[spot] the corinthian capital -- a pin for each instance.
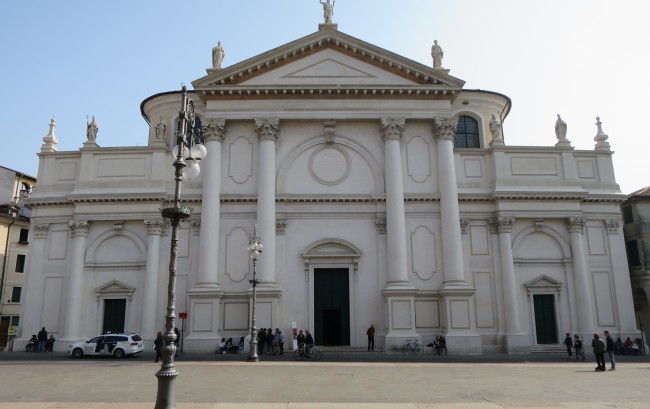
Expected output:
(576, 224)
(502, 224)
(215, 129)
(392, 128)
(444, 128)
(267, 128)
(79, 228)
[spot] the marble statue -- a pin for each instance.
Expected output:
(437, 54)
(91, 130)
(495, 127)
(560, 129)
(217, 55)
(328, 10)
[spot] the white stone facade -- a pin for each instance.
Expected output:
(343, 155)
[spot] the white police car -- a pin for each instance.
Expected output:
(118, 345)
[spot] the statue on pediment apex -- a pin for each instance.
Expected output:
(328, 10)
(437, 54)
(560, 129)
(218, 53)
(92, 128)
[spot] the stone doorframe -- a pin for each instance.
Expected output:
(112, 291)
(543, 285)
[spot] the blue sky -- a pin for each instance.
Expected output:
(578, 58)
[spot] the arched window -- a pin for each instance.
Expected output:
(467, 133)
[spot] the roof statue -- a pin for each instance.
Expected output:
(218, 53)
(560, 132)
(601, 137)
(328, 10)
(437, 54)
(495, 130)
(91, 130)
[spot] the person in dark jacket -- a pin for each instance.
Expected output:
(609, 342)
(599, 351)
(261, 341)
(568, 343)
(157, 345)
(577, 345)
(269, 342)
(42, 339)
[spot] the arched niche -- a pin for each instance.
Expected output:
(540, 244)
(115, 248)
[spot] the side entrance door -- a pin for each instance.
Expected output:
(545, 322)
(332, 306)
(114, 312)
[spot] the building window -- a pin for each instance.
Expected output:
(467, 133)
(15, 294)
(15, 321)
(24, 236)
(627, 215)
(20, 263)
(633, 253)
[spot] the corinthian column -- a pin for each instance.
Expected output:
(392, 130)
(149, 302)
(75, 280)
(208, 271)
(584, 302)
(510, 296)
(444, 130)
(268, 131)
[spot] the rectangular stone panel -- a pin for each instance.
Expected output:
(479, 240)
(534, 166)
(604, 297)
(236, 316)
(484, 300)
(264, 314)
(473, 168)
(596, 240)
(52, 296)
(586, 169)
(121, 167)
(58, 245)
(459, 314)
(66, 171)
(427, 314)
(202, 317)
(401, 314)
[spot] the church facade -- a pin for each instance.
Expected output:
(383, 192)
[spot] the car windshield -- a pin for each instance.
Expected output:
(95, 340)
(136, 338)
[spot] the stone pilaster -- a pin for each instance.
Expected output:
(582, 282)
(79, 229)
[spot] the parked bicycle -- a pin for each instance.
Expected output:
(412, 346)
(305, 353)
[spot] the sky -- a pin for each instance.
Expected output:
(578, 58)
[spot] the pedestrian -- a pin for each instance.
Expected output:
(609, 342)
(300, 339)
(42, 339)
(269, 342)
(261, 340)
(280, 339)
(32, 344)
(568, 343)
(177, 342)
(599, 351)
(157, 345)
(442, 345)
(49, 344)
(371, 338)
(577, 345)
(309, 342)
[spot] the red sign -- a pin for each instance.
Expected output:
(182, 315)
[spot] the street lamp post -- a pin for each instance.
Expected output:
(254, 248)
(186, 149)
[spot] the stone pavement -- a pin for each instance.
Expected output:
(345, 381)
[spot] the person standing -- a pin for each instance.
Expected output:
(157, 345)
(177, 342)
(280, 339)
(42, 339)
(371, 338)
(568, 343)
(599, 351)
(270, 338)
(609, 342)
(309, 341)
(577, 345)
(300, 339)
(261, 340)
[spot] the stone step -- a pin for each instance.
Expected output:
(548, 349)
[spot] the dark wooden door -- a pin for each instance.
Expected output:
(114, 312)
(545, 324)
(331, 306)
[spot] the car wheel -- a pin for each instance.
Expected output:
(119, 353)
(77, 353)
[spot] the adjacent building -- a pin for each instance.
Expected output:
(15, 187)
(383, 191)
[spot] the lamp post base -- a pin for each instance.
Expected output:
(166, 398)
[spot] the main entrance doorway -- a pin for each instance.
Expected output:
(114, 311)
(545, 324)
(332, 306)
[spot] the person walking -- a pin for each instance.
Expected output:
(371, 338)
(157, 345)
(577, 345)
(568, 343)
(42, 339)
(598, 346)
(609, 342)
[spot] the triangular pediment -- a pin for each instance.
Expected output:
(543, 282)
(328, 62)
(114, 287)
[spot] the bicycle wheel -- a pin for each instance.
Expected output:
(418, 349)
(405, 349)
(315, 354)
(297, 355)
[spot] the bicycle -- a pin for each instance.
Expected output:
(412, 346)
(303, 353)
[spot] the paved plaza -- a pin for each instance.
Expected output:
(348, 381)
